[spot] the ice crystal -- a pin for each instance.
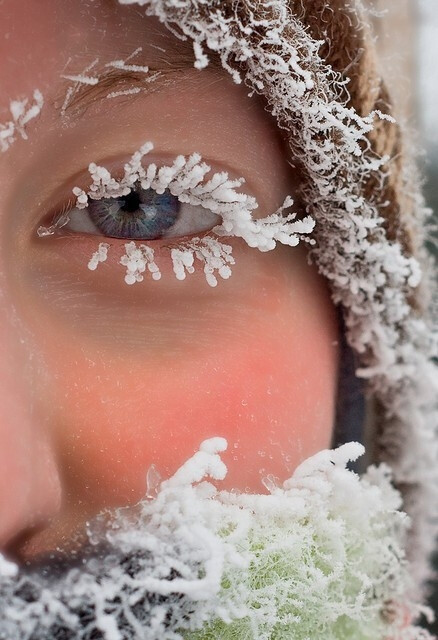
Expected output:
(84, 78)
(99, 256)
(321, 557)
(137, 260)
(124, 92)
(122, 64)
(22, 112)
(61, 220)
(264, 43)
(215, 255)
(78, 80)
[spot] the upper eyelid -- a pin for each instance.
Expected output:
(63, 195)
(189, 176)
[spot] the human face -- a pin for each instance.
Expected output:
(99, 379)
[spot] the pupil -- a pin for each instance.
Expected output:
(131, 202)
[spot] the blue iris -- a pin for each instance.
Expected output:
(142, 214)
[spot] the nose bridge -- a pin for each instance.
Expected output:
(30, 490)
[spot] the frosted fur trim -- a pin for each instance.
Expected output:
(22, 113)
(370, 276)
(321, 557)
(185, 180)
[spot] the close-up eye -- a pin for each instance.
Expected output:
(142, 214)
(175, 201)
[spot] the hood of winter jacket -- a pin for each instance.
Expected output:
(315, 65)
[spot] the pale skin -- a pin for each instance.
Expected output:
(98, 379)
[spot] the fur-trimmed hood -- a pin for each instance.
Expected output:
(315, 65)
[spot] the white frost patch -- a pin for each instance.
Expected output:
(124, 92)
(137, 260)
(99, 256)
(122, 64)
(82, 79)
(321, 556)
(78, 80)
(22, 113)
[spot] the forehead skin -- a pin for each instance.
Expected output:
(98, 379)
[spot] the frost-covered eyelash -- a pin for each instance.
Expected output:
(185, 180)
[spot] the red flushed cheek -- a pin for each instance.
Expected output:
(143, 382)
(270, 393)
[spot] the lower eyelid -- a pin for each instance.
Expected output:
(68, 258)
(79, 240)
(76, 248)
(69, 255)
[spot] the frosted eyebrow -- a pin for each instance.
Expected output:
(131, 83)
(113, 81)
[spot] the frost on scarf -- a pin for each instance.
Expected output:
(321, 557)
(371, 276)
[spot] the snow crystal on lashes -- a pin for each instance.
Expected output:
(137, 260)
(99, 256)
(215, 255)
(185, 180)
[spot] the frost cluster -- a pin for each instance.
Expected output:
(185, 179)
(372, 276)
(215, 255)
(136, 260)
(321, 557)
(123, 64)
(99, 256)
(22, 112)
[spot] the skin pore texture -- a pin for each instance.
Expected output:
(98, 380)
